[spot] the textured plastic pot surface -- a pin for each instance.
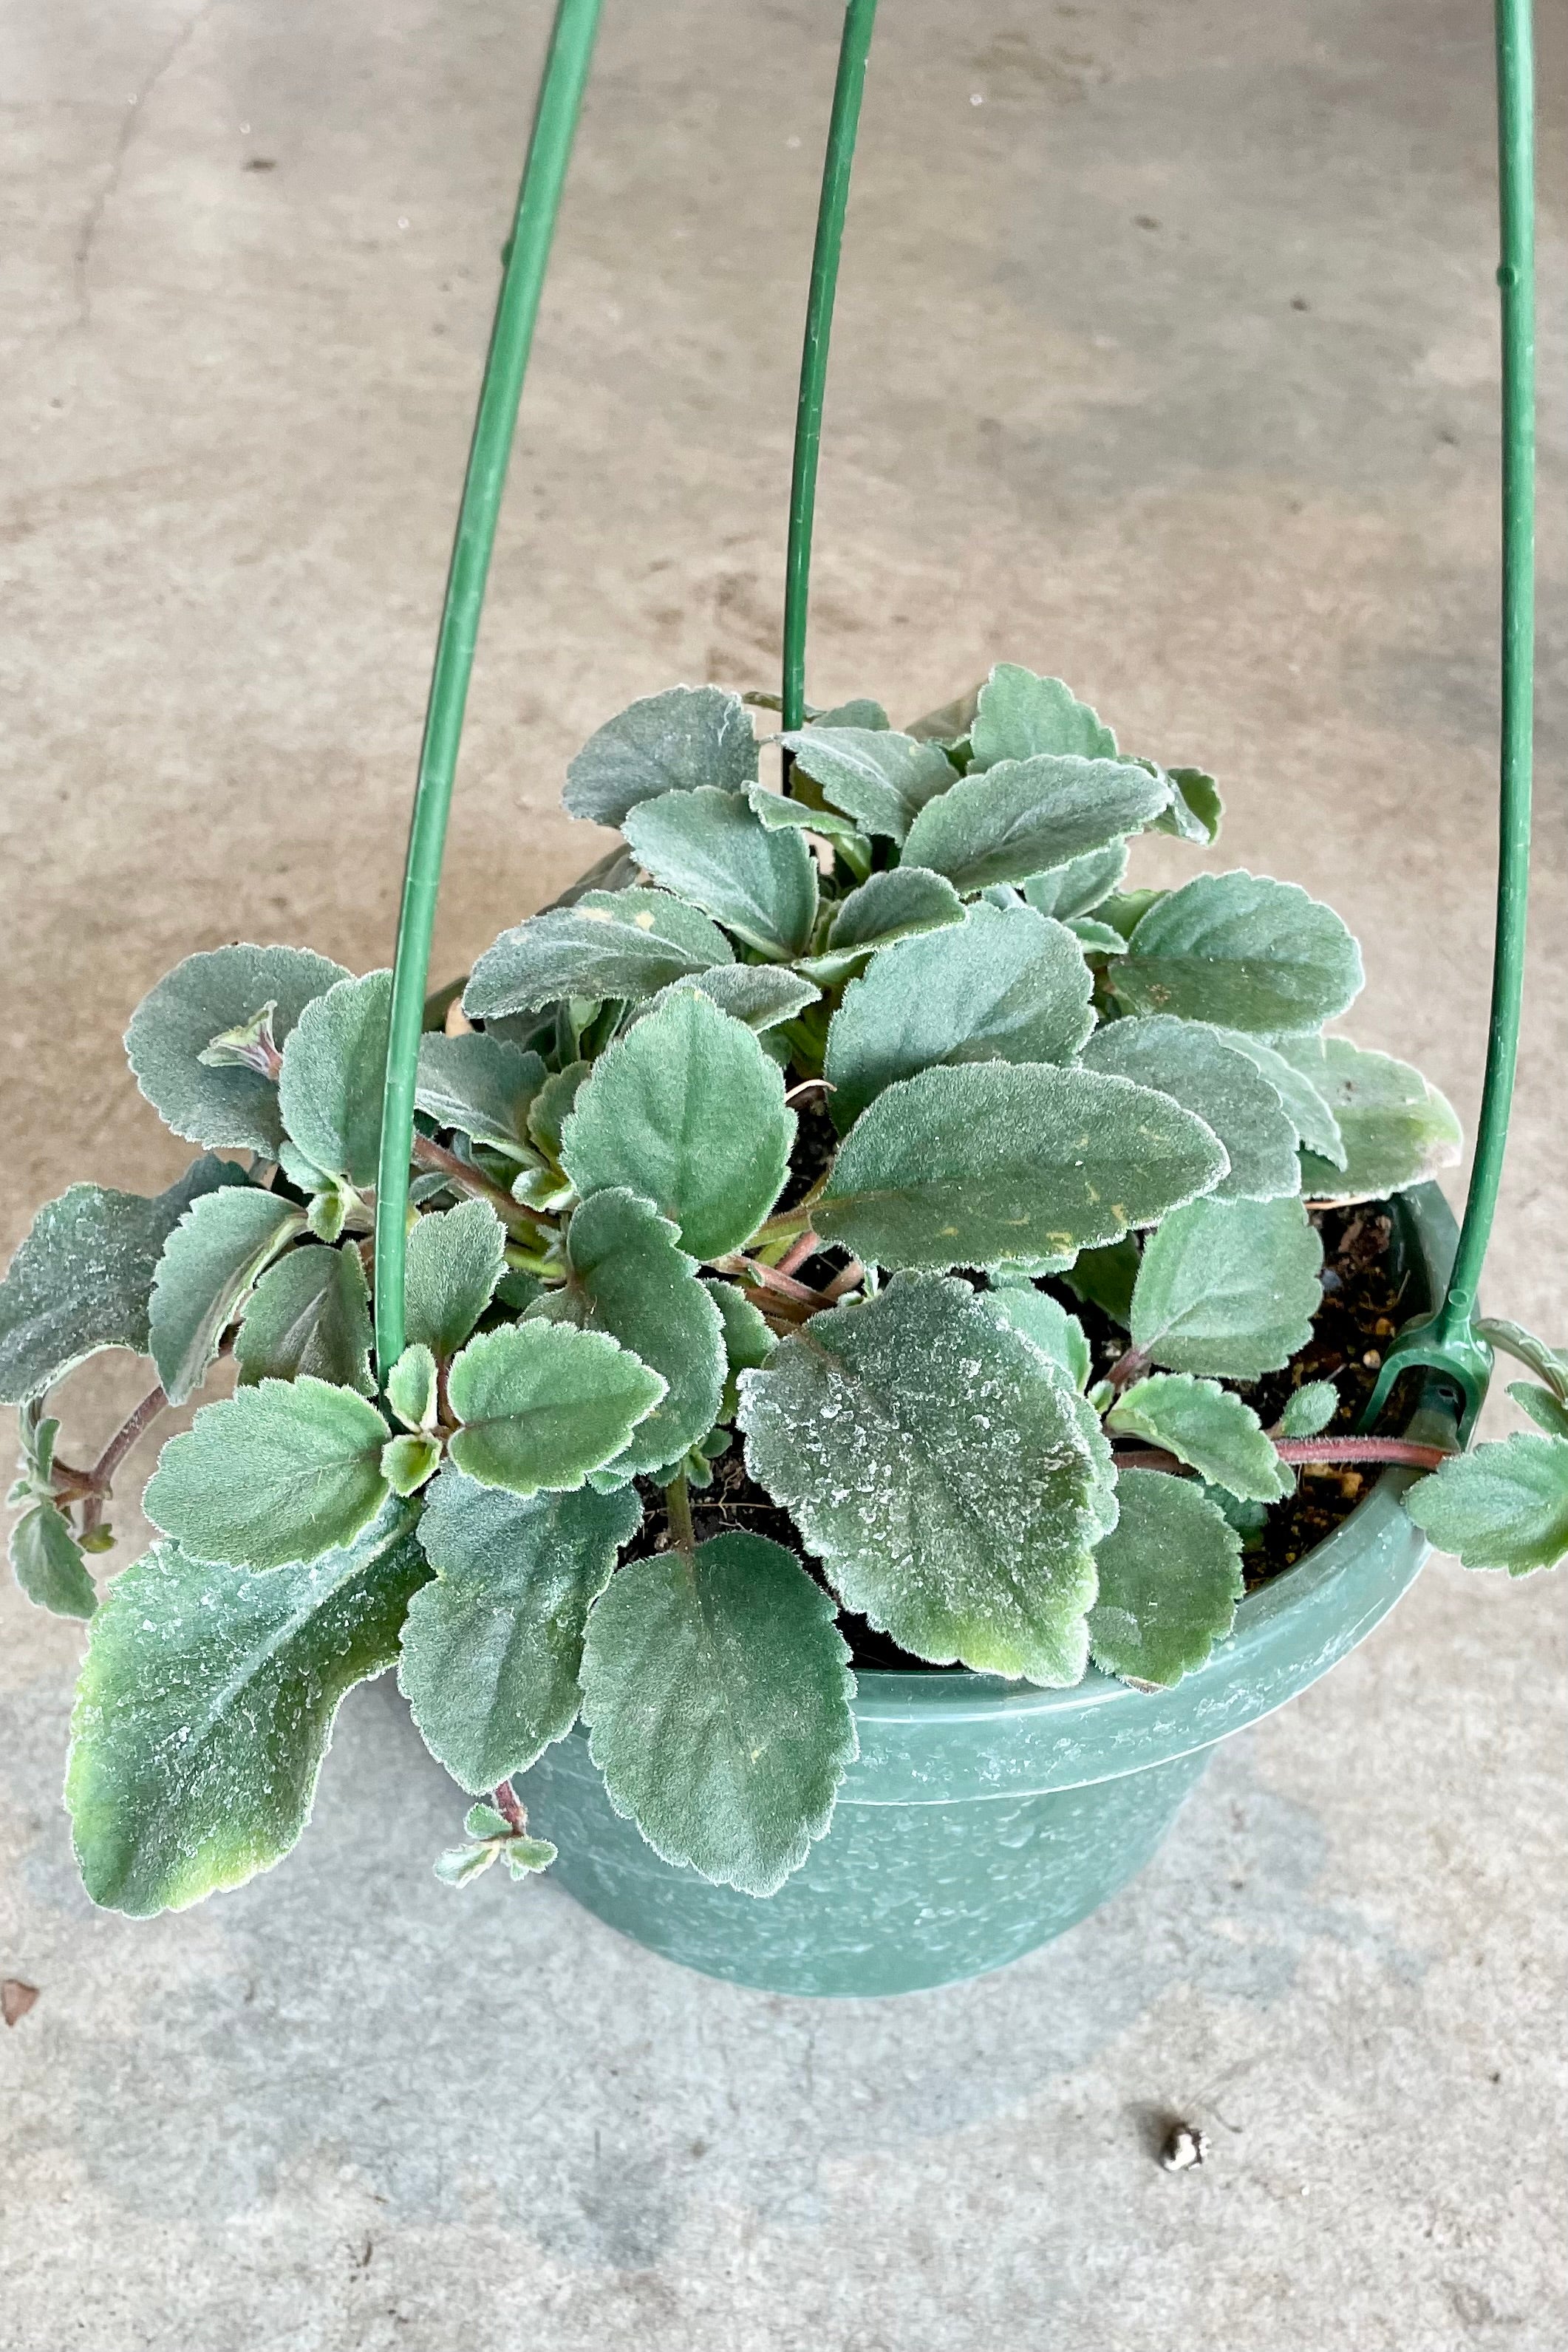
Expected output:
(983, 1817)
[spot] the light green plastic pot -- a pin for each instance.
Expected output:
(984, 1817)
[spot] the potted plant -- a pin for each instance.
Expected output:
(865, 1284)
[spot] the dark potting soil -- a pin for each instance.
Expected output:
(1362, 1307)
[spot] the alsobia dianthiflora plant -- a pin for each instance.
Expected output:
(1031, 1071)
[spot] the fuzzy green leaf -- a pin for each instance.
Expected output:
(481, 1084)
(552, 1106)
(1046, 1321)
(225, 1106)
(1208, 1428)
(1396, 1129)
(886, 907)
(620, 943)
(1018, 819)
(943, 1472)
(1018, 716)
(1079, 885)
(275, 1474)
(1227, 1289)
(1196, 808)
(454, 1259)
(206, 1706)
(779, 814)
(542, 1404)
(210, 1264)
(1005, 984)
(82, 1280)
(686, 1110)
(409, 1459)
(760, 994)
(951, 723)
(880, 778)
(310, 1313)
(748, 1339)
(631, 1279)
(1170, 1578)
(460, 1864)
(1505, 1505)
(1192, 1063)
(48, 1563)
(1096, 938)
(662, 744)
(1312, 1408)
(716, 1688)
(1548, 1411)
(860, 710)
(711, 848)
(991, 1161)
(1314, 1122)
(493, 1648)
(334, 1070)
(412, 1388)
(1104, 1279)
(1243, 951)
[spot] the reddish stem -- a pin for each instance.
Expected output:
(1308, 1451)
(505, 1799)
(798, 1252)
(430, 1154)
(1127, 1369)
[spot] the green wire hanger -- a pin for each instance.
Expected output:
(1447, 1344)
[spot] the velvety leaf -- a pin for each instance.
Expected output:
(210, 1264)
(481, 1084)
(748, 1339)
(1227, 1289)
(48, 1564)
(1396, 1129)
(1314, 1122)
(1207, 1427)
(542, 1404)
(711, 848)
(716, 1688)
(1125, 909)
(454, 1259)
(1195, 809)
(1005, 984)
(275, 1474)
(1548, 1411)
(1023, 817)
(780, 815)
(760, 994)
(943, 1472)
(1078, 887)
(891, 907)
(880, 778)
(492, 1649)
(1046, 1321)
(1096, 938)
(667, 742)
(1312, 1408)
(409, 1459)
(1549, 1364)
(860, 710)
(227, 1106)
(461, 1863)
(1170, 1578)
(631, 1279)
(990, 1160)
(1243, 951)
(950, 722)
(206, 1706)
(1018, 716)
(82, 1278)
(1191, 1063)
(1104, 1279)
(1504, 1506)
(552, 1106)
(686, 1110)
(412, 1388)
(308, 1314)
(335, 1072)
(620, 943)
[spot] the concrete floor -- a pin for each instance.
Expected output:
(1165, 359)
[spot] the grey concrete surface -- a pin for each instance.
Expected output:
(1165, 359)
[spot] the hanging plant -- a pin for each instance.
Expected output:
(808, 1137)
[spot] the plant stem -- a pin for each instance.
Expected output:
(769, 1278)
(798, 1252)
(785, 1227)
(677, 1510)
(436, 1156)
(1127, 1369)
(504, 1798)
(1308, 1451)
(853, 1275)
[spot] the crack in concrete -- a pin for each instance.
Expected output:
(88, 235)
